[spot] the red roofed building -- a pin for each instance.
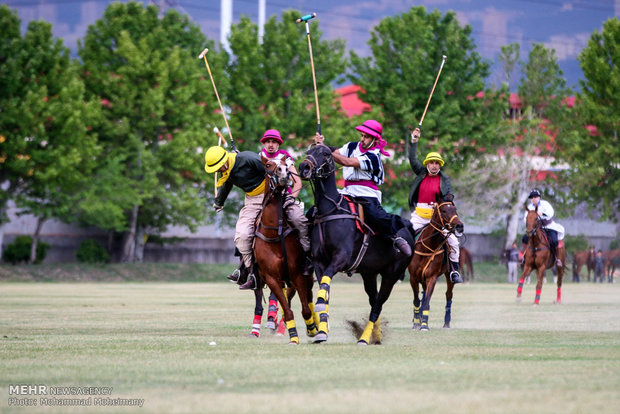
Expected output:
(350, 102)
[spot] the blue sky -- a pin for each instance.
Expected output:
(564, 25)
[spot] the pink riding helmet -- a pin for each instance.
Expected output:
(372, 128)
(272, 134)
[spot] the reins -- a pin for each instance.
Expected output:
(321, 172)
(432, 253)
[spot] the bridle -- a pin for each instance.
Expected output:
(322, 170)
(534, 231)
(441, 227)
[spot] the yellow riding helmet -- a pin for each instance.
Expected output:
(433, 156)
(215, 158)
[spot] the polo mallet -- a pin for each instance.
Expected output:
(203, 55)
(432, 91)
(316, 95)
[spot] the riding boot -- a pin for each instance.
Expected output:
(455, 276)
(250, 283)
(240, 275)
(402, 246)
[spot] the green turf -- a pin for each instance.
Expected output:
(151, 341)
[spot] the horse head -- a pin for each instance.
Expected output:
(278, 173)
(445, 216)
(319, 163)
(532, 222)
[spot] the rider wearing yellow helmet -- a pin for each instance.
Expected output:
(271, 141)
(430, 182)
(246, 171)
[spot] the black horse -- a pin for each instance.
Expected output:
(342, 243)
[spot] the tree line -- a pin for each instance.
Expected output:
(115, 138)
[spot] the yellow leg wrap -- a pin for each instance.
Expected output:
(323, 295)
(323, 327)
(292, 331)
(315, 315)
(367, 332)
(425, 313)
(326, 279)
(376, 333)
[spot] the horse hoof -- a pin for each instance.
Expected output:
(320, 337)
(254, 335)
(424, 329)
(446, 326)
(518, 300)
(293, 343)
(271, 325)
(362, 343)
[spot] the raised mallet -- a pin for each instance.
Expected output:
(203, 55)
(316, 94)
(432, 91)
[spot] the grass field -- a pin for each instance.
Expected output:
(151, 341)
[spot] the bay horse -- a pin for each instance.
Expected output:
(612, 260)
(278, 253)
(341, 242)
(582, 258)
(430, 260)
(538, 256)
(466, 263)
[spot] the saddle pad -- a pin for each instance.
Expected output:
(356, 208)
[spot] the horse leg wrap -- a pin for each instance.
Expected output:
(323, 295)
(537, 297)
(416, 316)
(273, 310)
(311, 326)
(367, 332)
(424, 320)
(292, 331)
(315, 315)
(559, 297)
(376, 332)
(520, 287)
(256, 325)
(448, 315)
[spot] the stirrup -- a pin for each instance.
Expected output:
(455, 277)
(234, 276)
(250, 283)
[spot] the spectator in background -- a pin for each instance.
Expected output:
(513, 263)
(599, 266)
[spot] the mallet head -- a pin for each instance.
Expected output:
(306, 17)
(204, 52)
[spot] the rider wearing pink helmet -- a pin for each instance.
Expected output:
(363, 174)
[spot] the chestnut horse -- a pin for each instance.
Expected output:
(467, 264)
(340, 245)
(278, 252)
(538, 256)
(582, 258)
(430, 261)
